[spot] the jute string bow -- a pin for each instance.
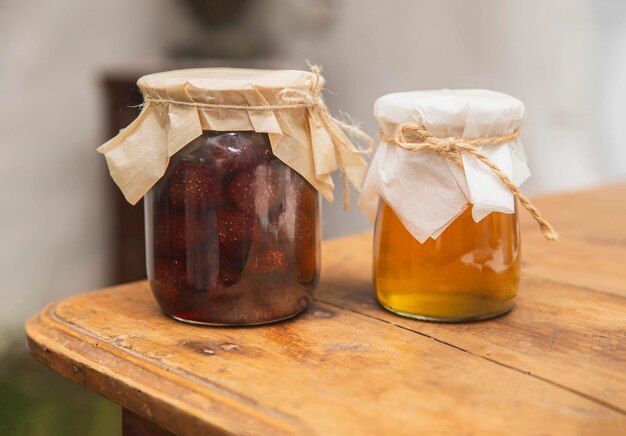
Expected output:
(413, 137)
(296, 99)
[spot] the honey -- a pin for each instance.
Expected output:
(471, 271)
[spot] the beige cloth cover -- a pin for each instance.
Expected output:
(179, 105)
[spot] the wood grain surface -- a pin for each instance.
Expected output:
(556, 364)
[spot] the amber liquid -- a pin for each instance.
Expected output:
(471, 271)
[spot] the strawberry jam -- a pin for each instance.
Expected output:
(232, 233)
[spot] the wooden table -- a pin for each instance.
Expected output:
(555, 365)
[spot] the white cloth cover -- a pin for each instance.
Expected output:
(424, 189)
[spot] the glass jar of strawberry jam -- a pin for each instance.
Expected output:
(232, 163)
(443, 188)
(232, 233)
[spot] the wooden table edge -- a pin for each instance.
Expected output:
(231, 413)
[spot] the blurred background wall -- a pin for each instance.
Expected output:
(564, 58)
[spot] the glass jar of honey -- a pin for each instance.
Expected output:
(442, 187)
(232, 164)
(471, 271)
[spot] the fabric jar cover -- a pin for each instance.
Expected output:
(285, 104)
(427, 191)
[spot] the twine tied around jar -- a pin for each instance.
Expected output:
(414, 137)
(292, 98)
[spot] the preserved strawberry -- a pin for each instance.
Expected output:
(232, 233)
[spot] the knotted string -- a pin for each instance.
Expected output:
(413, 137)
(292, 98)
(314, 101)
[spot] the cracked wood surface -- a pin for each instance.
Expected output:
(555, 364)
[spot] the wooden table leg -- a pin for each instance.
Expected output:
(135, 425)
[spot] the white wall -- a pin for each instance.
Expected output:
(609, 85)
(564, 58)
(53, 238)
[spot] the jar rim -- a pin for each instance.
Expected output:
(226, 79)
(447, 107)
